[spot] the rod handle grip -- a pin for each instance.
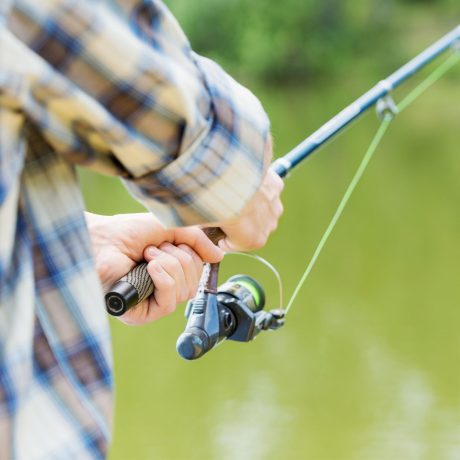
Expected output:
(137, 285)
(215, 234)
(129, 290)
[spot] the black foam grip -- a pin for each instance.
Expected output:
(130, 290)
(137, 285)
(140, 279)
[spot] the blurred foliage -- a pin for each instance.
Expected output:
(291, 40)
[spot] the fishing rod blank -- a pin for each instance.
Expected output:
(284, 164)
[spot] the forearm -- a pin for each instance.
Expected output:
(132, 99)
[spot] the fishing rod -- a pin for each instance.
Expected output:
(235, 310)
(357, 108)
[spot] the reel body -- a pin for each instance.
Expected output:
(234, 311)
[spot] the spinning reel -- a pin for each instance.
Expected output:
(233, 311)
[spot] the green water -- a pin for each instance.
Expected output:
(368, 364)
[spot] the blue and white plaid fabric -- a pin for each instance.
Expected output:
(122, 94)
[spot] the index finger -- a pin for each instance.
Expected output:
(199, 242)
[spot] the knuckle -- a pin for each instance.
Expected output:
(170, 308)
(167, 247)
(280, 209)
(259, 241)
(186, 259)
(168, 283)
(193, 230)
(180, 256)
(171, 284)
(185, 247)
(173, 263)
(188, 252)
(280, 182)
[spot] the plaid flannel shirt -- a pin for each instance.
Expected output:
(122, 94)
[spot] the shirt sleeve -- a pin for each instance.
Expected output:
(124, 94)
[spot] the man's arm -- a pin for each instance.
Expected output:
(129, 97)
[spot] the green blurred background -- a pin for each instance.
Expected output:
(368, 364)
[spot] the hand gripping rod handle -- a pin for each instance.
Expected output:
(137, 285)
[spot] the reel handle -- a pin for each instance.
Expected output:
(137, 285)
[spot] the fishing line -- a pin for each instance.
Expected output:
(267, 264)
(438, 73)
(349, 191)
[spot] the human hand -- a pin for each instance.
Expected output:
(175, 258)
(258, 219)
